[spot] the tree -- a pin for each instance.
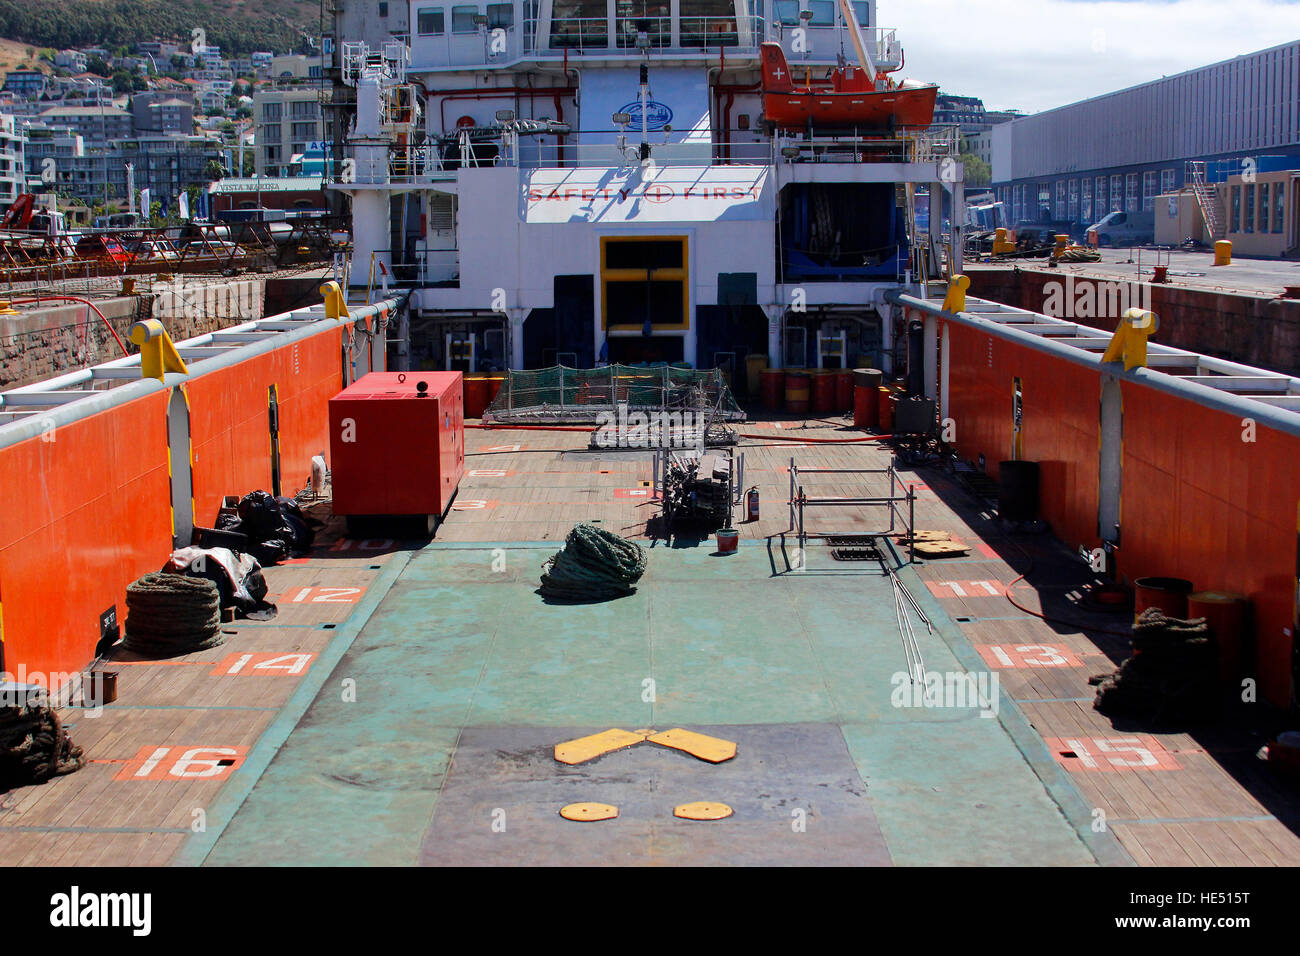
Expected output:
(96, 65)
(122, 82)
(978, 172)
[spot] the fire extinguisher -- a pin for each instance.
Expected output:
(751, 503)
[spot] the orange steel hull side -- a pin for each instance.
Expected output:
(1061, 423)
(1201, 504)
(230, 426)
(97, 511)
(95, 515)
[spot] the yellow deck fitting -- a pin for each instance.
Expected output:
(157, 350)
(586, 812)
(1129, 343)
(703, 810)
(712, 749)
(955, 300)
(336, 301)
(589, 748)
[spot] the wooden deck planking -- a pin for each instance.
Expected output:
(1198, 815)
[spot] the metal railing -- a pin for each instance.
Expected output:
(601, 36)
(428, 164)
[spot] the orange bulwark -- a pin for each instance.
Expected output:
(106, 507)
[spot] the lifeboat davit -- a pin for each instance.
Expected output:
(853, 99)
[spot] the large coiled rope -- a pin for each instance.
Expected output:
(594, 565)
(1172, 675)
(172, 614)
(34, 746)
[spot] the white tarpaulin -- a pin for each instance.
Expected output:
(679, 99)
(651, 194)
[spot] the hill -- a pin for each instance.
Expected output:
(237, 26)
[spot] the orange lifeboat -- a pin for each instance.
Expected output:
(853, 99)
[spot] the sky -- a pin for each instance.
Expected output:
(1035, 55)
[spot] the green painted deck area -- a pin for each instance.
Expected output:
(464, 678)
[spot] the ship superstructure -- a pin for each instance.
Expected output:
(581, 181)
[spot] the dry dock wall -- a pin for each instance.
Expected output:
(44, 342)
(1258, 330)
(88, 492)
(1207, 494)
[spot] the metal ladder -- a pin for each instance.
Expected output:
(1205, 198)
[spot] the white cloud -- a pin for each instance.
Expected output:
(1039, 54)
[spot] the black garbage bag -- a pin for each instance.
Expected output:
(260, 516)
(237, 576)
(269, 553)
(228, 522)
(303, 526)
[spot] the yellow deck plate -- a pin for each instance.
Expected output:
(588, 748)
(938, 549)
(920, 535)
(712, 749)
(703, 810)
(585, 812)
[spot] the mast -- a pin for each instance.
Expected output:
(855, 32)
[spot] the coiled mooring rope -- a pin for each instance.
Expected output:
(172, 614)
(34, 746)
(595, 564)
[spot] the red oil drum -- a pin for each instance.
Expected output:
(771, 383)
(1168, 594)
(823, 391)
(844, 390)
(476, 395)
(1227, 616)
(886, 408)
(796, 391)
(866, 407)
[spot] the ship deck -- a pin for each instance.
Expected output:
(428, 683)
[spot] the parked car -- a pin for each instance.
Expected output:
(152, 250)
(215, 248)
(1124, 229)
(102, 247)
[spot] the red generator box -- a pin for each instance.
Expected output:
(397, 450)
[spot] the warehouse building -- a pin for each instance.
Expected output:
(1119, 152)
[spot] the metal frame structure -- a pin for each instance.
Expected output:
(799, 500)
(211, 247)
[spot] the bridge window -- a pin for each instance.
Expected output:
(823, 13)
(462, 19)
(501, 16)
(581, 24)
(429, 21)
(654, 17)
(708, 23)
(863, 12)
(787, 12)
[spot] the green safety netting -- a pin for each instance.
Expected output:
(580, 395)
